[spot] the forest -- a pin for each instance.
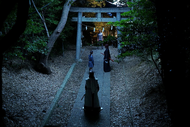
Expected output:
(33, 30)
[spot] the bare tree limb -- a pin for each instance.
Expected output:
(52, 39)
(43, 19)
(156, 65)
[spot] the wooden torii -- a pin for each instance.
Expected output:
(98, 18)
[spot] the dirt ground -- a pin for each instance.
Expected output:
(136, 97)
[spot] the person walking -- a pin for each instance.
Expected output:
(91, 61)
(100, 38)
(91, 100)
(107, 59)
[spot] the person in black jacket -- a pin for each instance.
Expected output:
(91, 100)
(107, 59)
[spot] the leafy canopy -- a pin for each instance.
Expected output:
(34, 39)
(139, 30)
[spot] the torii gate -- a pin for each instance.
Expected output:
(80, 19)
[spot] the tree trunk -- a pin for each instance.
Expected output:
(1, 99)
(43, 62)
(173, 48)
(12, 36)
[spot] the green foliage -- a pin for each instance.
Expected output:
(110, 40)
(100, 42)
(38, 46)
(34, 39)
(28, 50)
(139, 29)
(128, 53)
(14, 52)
(33, 27)
(10, 21)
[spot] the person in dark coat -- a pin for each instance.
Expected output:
(107, 59)
(91, 101)
(91, 61)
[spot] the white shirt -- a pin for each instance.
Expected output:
(100, 36)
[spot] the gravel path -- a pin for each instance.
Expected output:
(136, 94)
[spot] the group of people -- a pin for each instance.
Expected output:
(91, 102)
(107, 58)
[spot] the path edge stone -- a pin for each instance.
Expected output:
(53, 103)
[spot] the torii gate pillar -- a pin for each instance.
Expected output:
(79, 28)
(81, 19)
(118, 17)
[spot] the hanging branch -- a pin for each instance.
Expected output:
(43, 19)
(156, 65)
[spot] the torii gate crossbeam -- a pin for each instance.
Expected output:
(81, 19)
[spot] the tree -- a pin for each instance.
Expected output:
(170, 39)
(174, 51)
(43, 63)
(12, 36)
(41, 18)
(139, 31)
(31, 41)
(90, 3)
(34, 40)
(96, 3)
(139, 28)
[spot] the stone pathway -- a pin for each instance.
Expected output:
(78, 118)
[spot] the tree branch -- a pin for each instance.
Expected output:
(156, 65)
(43, 19)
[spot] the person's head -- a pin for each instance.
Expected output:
(99, 31)
(91, 52)
(106, 45)
(91, 74)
